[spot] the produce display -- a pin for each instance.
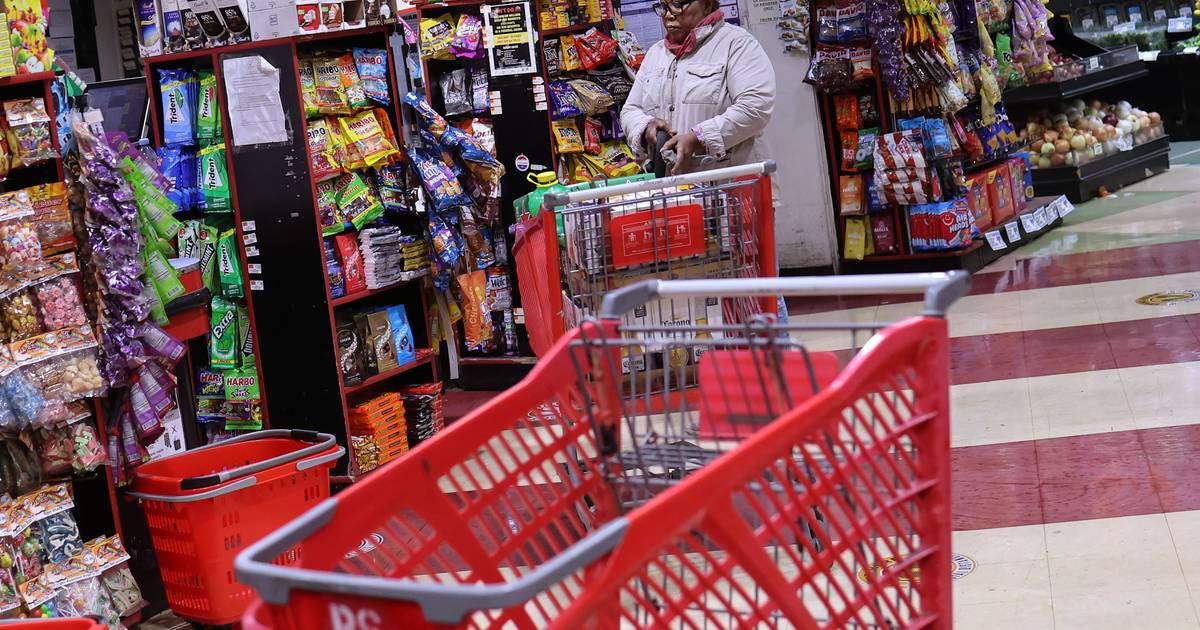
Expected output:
(1076, 132)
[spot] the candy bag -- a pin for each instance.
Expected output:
(563, 101)
(850, 195)
(430, 120)
(373, 73)
(468, 36)
(454, 92)
(389, 181)
(308, 88)
(365, 133)
(356, 201)
(864, 155)
(330, 89)
(321, 148)
(566, 136)
(162, 275)
(356, 96)
(402, 336)
(229, 270)
(213, 182)
(207, 113)
(595, 49)
(177, 87)
(552, 53)
(28, 131)
(592, 130)
(592, 98)
(352, 263)
(223, 343)
(570, 56)
(331, 218)
(849, 147)
(437, 33)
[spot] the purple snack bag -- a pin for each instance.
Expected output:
(129, 445)
(161, 343)
(157, 385)
(145, 421)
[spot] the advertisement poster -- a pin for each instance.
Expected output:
(510, 45)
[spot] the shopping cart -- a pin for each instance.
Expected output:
(52, 624)
(205, 505)
(585, 243)
(781, 486)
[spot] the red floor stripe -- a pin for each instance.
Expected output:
(1045, 272)
(1125, 473)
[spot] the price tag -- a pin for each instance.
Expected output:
(1160, 14)
(1088, 24)
(248, 226)
(256, 285)
(1013, 231)
(1093, 63)
(1179, 25)
(1039, 215)
(1190, 50)
(251, 252)
(254, 269)
(1029, 222)
(1111, 20)
(1097, 149)
(250, 238)
(1124, 27)
(1065, 206)
(1051, 212)
(995, 240)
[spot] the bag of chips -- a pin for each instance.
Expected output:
(330, 89)
(308, 88)
(566, 136)
(467, 37)
(373, 73)
(439, 181)
(321, 148)
(437, 33)
(845, 107)
(430, 120)
(477, 320)
(366, 135)
(850, 195)
(564, 103)
(595, 49)
(569, 60)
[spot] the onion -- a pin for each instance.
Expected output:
(1078, 142)
(1047, 148)
(1043, 162)
(1058, 159)
(1062, 146)
(1050, 136)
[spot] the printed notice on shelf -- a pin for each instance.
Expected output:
(1013, 231)
(1179, 25)
(1029, 222)
(510, 45)
(995, 240)
(1064, 206)
(255, 107)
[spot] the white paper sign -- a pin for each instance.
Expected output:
(1029, 222)
(1065, 207)
(248, 226)
(250, 238)
(1039, 215)
(1051, 212)
(251, 252)
(1179, 25)
(1013, 231)
(254, 269)
(256, 285)
(255, 108)
(995, 240)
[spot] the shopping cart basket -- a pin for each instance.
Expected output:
(585, 243)
(205, 505)
(775, 485)
(52, 624)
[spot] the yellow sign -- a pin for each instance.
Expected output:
(1168, 297)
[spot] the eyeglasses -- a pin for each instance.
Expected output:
(672, 7)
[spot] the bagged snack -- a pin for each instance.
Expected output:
(330, 89)
(373, 73)
(564, 103)
(207, 112)
(177, 87)
(331, 218)
(439, 181)
(614, 81)
(864, 155)
(592, 130)
(454, 92)
(856, 238)
(19, 244)
(59, 303)
(389, 181)
(846, 112)
(851, 195)
(321, 147)
(402, 337)
(629, 50)
(51, 216)
(355, 200)
(481, 100)
(214, 183)
(437, 33)
(356, 96)
(162, 276)
(849, 148)
(351, 261)
(552, 53)
(430, 120)
(229, 270)
(569, 60)
(499, 294)
(223, 343)
(595, 49)
(592, 98)
(365, 133)
(477, 320)
(468, 36)
(54, 451)
(308, 88)
(333, 271)
(350, 353)
(566, 136)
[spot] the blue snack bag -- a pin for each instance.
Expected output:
(178, 89)
(936, 138)
(402, 338)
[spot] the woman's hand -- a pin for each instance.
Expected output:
(685, 145)
(650, 136)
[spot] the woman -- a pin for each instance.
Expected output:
(709, 84)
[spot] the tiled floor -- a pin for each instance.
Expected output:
(1076, 417)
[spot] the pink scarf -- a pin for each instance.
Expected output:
(704, 28)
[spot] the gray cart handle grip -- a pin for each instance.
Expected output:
(320, 442)
(556, 199)
(940, 289)
(440, 603)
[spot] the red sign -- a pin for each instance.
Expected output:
(657, 234)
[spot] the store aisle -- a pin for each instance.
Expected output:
(1076, 416)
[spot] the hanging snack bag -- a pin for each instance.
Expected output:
(570, 56)
(481, 100)
(321, 147)
(213, 182)
(849, 147)
(454, 92)
(352, 263)
(468, 36)
(477, 320)
(845, 107)
(356, 96)
(439, 181)
(356, 201)
(162, 275)
(364, 132)
(389, 181)
(595, 49)
(566, 136)
(331, 90)
(177, 87)
(430, 120)
(372, 73)
(206, 243)
(437, 33)
(564, 103)
(229, 270)
(51, 216)
(864, 155)
(223, 343)
(308, 88)
(207, 113)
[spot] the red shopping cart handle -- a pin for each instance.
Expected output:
(205, 481)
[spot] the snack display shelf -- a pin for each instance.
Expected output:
(17, 79)
(1080, 183)
(498, 360)
(574, 28)
(362, 295)
(1085, 84)
(424, 355)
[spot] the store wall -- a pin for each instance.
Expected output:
(804, 226)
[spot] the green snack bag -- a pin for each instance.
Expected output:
(222, 336)
(229, 271)
(187, 240)
(206, 251)
(242, 384)
(162, 275)
(246, 337)
(356, 200)
(158, 312)
(153, 241)
(213, 179)
(151, 202)
(308, 88)
(207, 115)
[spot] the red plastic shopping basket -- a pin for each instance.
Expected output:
(566, 504)
(54, 624)
(205, 505)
